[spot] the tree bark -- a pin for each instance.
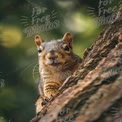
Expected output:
(93, 93)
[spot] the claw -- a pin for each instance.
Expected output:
(43, 103)
(51, 98)
(46, 100)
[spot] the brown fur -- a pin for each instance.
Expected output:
(56, 62)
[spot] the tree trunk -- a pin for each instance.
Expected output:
(93, 93)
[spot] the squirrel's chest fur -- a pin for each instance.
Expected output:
(55, 76)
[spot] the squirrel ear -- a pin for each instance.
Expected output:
(38, 40)
(68, 38)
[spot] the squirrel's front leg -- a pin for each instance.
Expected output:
(41, 102)
(40, 99)
(51, 88)
(47, 92)
(39, 105)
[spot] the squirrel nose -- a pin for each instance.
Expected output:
(51, 52)
(52, 58)
(52, 55)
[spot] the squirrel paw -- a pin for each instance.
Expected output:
(46, 100)
(42, 101)
(39, 107)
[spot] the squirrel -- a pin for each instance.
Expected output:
(57, 61)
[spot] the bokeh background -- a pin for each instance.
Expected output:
(19, 20)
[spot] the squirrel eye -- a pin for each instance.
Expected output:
(66, 48)
(39, 51)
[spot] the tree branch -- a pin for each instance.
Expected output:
(95, 88)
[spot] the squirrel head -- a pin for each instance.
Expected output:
(55, 53)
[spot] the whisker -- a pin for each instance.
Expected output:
(27, 68)
(27, 62)
(34, 71)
